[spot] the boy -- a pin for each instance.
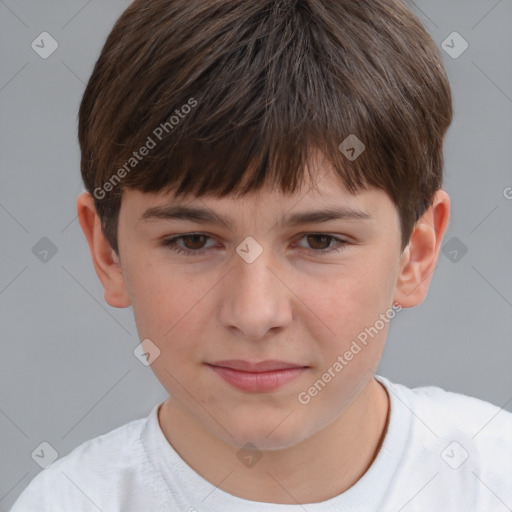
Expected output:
(264, 189)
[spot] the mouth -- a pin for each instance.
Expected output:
(257, 377)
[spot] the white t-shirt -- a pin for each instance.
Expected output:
(442, 452)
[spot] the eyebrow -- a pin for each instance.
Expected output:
(207, 216)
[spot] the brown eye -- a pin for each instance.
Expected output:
(192, 244)
(196, 241)
(323, 244)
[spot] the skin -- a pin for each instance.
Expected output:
(288, 304)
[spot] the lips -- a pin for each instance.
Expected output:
(257, 377)
(263, 366)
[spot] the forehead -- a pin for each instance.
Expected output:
(315, 200)
(292, 211)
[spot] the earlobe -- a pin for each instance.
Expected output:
(105, 260)
(419, 258)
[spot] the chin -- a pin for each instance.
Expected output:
(266, 433)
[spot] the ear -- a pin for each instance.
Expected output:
(105, 260)
(419, 258)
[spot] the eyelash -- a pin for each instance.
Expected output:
(171, 244)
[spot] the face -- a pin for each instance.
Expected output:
(219, 299)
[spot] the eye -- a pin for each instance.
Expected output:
(194, 243)
(321, 243)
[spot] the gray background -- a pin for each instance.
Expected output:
(67, 369)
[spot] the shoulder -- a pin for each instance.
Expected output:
(115, 449)
(465, 440)
(480, 428)
(456, 413)
(78, 480)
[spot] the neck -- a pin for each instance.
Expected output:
(317, 469)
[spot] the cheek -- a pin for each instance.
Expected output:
(170, 308)
(349, 299)
(349, 350)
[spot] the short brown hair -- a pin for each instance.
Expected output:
(265, 83)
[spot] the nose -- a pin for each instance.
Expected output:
(257, 299)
